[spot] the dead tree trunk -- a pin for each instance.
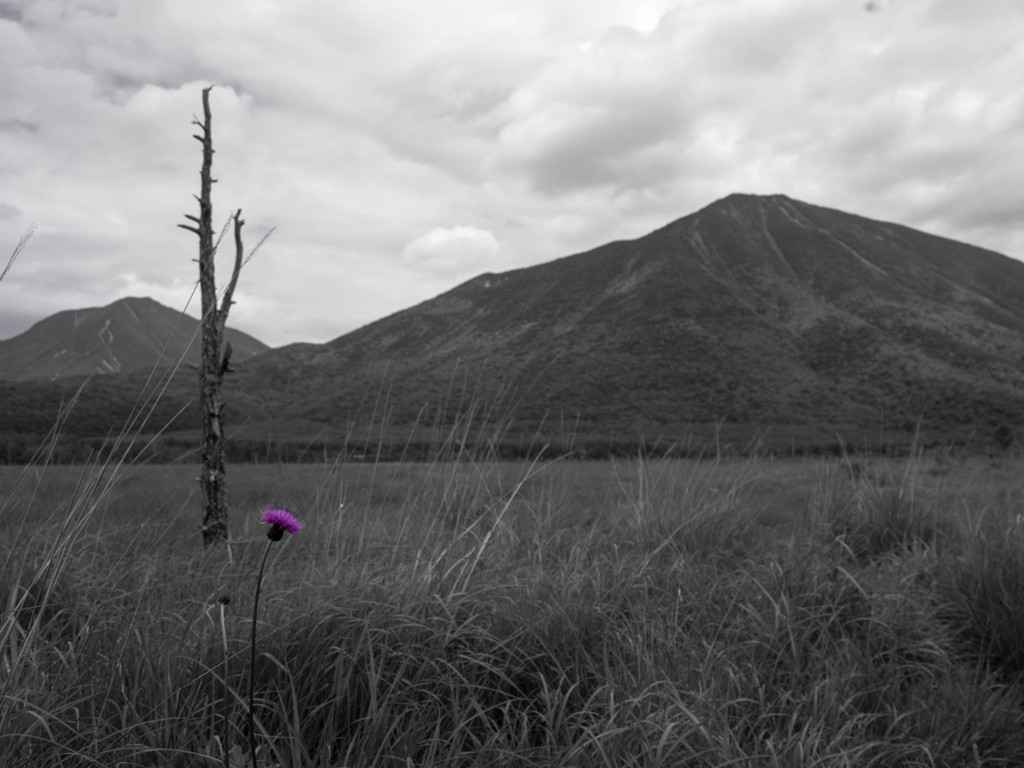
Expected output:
(213, 363)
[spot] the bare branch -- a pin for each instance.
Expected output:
(225, 363)
(190, 229)
(19, 248)
(229, 292)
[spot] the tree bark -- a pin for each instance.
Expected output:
(214, 357)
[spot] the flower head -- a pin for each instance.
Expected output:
(280, 520)
(224, 596)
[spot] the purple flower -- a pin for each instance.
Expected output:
(280, 520)
(224, 596)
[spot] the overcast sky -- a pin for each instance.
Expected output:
(401, 147)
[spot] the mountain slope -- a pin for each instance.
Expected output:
(756, 309)
(127, 335)
(755, 312)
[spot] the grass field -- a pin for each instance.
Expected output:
(639, 613)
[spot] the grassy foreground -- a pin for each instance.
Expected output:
(668, 613)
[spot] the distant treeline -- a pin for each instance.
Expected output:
(166, 449)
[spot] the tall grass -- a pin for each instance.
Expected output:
(468, 612)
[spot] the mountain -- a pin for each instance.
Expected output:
(755, 314)
(128, 335)
(757, 310)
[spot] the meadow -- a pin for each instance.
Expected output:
(740, 612)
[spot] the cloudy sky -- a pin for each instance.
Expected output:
(401, 147)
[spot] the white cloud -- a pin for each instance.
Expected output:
(362, 131)
(453, 251)
(607, 115)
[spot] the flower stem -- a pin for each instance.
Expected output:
(252, 657)
(225, 707)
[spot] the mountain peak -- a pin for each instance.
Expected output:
(757, 309)
(747, 198)
(760, 313)
(132, 333)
